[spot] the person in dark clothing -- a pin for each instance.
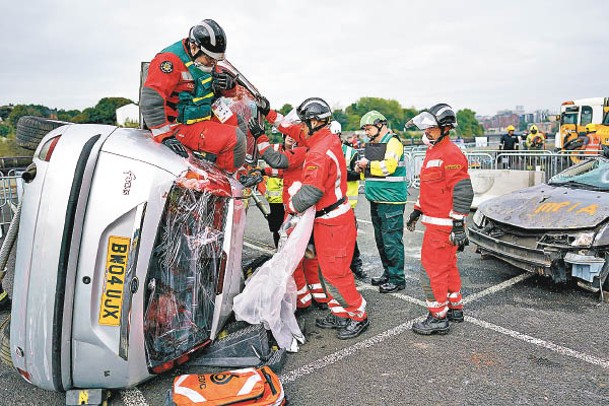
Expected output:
(508, 142)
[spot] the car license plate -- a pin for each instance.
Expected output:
(116, 267)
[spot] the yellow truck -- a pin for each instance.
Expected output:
(576, 114)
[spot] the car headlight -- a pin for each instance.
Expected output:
(583, 239)
(478, 218)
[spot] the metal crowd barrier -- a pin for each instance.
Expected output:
(548, 162)
(11, 189)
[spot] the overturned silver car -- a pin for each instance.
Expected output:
(559, 229)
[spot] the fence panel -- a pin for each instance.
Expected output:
(11, 189)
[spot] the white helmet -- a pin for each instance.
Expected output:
(335, 127)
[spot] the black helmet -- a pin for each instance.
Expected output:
(209, 37)
(314, 107)
(444, 115)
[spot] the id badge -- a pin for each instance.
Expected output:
(221, 110)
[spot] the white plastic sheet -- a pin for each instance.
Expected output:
(269, 296)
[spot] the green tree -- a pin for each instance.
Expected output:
(21, 110)
(5, 129)
(468, 125)
(286, 109)
(104, 112)
(396, 115)
(5, 111)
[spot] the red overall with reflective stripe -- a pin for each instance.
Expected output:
(443, 167)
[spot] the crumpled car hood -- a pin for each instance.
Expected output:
(545, 207)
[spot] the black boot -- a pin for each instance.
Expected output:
(359, 273)
(432, 325)
(455, 315)
(380, 280)
(331, 321)
(352, 329)
(389, 287)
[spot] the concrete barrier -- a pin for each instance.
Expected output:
(489, 183)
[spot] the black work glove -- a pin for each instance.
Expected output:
(222, 81)
(458, 235)
(176, 146)
(263, 105)
(255, 128)
(412, 219)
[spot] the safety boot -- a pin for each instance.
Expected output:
(331, 321)
(352, 329)
(379, 280)
(432, 325)
(359, 273)
(389, 287)
(455, 315)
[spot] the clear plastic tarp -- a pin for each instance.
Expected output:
(269, 296)
(186, 264)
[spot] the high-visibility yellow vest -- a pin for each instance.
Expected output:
(353, 185)
(274, 189)
(274, 186)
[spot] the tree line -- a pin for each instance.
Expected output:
(104, 112)
(397, 117)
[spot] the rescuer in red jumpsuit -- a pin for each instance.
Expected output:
(287, 164)
(444, 202)
(177, 97)
(324, 185)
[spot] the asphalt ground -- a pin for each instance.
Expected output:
(524, 341)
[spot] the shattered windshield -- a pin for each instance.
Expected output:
(592, 174)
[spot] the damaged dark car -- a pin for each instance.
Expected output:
(559, 229)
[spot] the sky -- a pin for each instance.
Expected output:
(485, 55)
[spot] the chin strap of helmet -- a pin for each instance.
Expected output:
(378, 131)
(313, 130)
(445, 132)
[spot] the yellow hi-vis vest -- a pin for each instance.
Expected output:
(353, 185)
(274, 186)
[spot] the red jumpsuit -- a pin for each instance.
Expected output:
(306, 275)
(334, 232)
(444, 166)
(167, 77)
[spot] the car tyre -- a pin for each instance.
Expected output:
(5, 345)
(30, 130)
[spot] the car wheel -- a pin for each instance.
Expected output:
(5, 345)
(30, 130)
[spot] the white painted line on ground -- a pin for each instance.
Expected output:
(379, 338)
(133, 397)
(496, 288)
(541, 343)
(346, 352)
(401, 296)
(364, 221)
(256, 247)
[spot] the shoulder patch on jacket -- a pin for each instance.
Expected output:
(453, 166)
(166, 67)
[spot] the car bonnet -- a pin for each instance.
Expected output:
(546, 207)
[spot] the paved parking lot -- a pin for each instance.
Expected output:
(524, 341)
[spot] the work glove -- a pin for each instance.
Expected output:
(222, 81)
(176, 146)
(412, 219)
(263, 105)
(458, 235)
(255, 128)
